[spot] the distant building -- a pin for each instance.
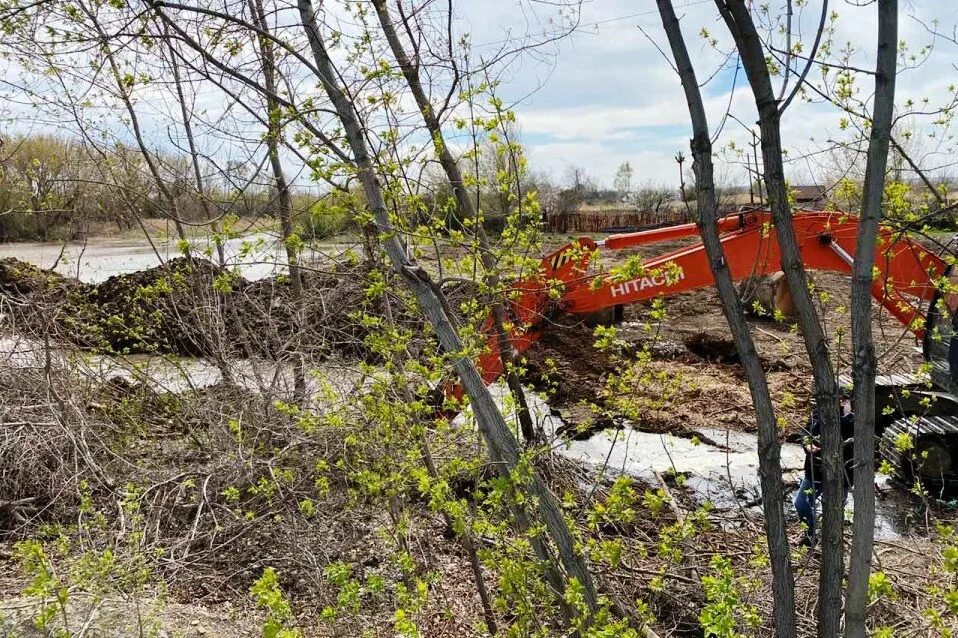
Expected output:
(812, 197)
(807, 197)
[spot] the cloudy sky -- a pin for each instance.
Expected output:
(601, 95)
(606, 95)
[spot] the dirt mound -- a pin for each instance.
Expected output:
(178, 308)
(566, 364)
(692, 379)
(191, 307)
(163, 309)
(340, 310)
(19, 279)
(38, 303)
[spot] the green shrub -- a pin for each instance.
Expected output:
(332, 215)
(20, 226)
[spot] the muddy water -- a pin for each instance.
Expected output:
(174, 374)
(256, 256)
(162, 374)
(725, 474)
(719, 466)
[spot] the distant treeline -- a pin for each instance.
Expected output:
(58, 188)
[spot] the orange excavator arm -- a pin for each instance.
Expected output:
(906, 274)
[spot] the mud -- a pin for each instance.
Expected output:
(566, 364)
(20, 279)
(690, 377)
(328, 319)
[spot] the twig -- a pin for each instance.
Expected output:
(196, 519)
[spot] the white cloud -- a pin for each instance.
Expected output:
(611, 96)
(585, 122)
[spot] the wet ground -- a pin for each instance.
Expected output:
(171, 374)
(725, 474)
(718, 466)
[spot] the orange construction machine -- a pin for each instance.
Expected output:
(911, 282)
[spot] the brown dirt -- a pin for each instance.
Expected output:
(170, 308)
(19, 278)
(122, 617)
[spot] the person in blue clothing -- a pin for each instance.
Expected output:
(810, 489)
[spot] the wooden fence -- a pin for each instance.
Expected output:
(613, 220)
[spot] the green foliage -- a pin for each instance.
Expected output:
(725, 614)
(600, 624)
(904, 442)
(76, 563)
(880, 586)
(619, 506)
(331, 215)
(348, 598)
(269, 597)
(45, 586)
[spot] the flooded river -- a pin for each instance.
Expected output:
(719, 466)
(256, 255)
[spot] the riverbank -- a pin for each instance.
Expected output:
(189, 307)
(255, 255)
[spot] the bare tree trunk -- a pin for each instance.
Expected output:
(739, 21)
(863, 534)
(273, 133)
(467, 209)
(770, 466)
(503, 446)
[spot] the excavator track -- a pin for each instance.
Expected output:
(925, 449)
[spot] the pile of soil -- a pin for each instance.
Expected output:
(681, 390)
(172, 308)
(331, 316)
(191, 307)
(20, 279)
(42, 303)
(693, 342)
(565, 363)
(155, 310)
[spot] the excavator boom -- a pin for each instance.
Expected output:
(906, 274)
(908, 280)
